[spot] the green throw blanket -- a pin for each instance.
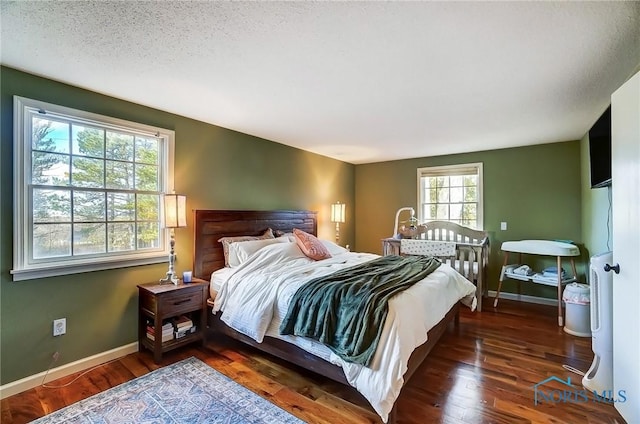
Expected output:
(346, 310)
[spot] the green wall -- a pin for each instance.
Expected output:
(535, 189)
(540, 191)
(596, 211)
(216, 168)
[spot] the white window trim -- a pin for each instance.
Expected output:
(453, 170)
(22, 268)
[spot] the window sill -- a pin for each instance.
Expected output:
(67, 269)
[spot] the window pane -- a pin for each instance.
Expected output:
(470, 180)
(433, 212)
(456, 211)
(147, 177)
(470, 194)
(442, 181)
(443, 195)
(87, 172)
(88, 239)
(119, 146)
(147, 150)
(456, 180)
(456, 195)
(433, 195)
(429, 212)
(470, 210)
(51, 205)
(119, 174)
(148, 207)
(469, 213)
(122, 237)
(88, 206)
(88, 141)
(442, 212)
(428, 183)
(148, 235)
(121, 207)
(51, 240)
(49, 168)
(50, 136)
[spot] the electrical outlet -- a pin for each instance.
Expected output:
(59, 326)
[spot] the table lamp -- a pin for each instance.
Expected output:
(175, 216)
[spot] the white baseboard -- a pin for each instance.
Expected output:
(523, 298)
(32, 381)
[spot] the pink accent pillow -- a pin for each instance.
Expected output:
(310, 245)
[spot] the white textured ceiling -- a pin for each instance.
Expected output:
(357, 81)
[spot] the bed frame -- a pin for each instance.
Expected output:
(211, 225)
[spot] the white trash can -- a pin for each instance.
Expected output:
(577, 297)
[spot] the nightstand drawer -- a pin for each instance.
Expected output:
(180, 302)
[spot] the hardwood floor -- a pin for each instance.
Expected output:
(482, 371)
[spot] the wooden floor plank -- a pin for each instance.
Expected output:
(482, 371)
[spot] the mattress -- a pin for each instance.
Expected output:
(217, 279)
(541, 247)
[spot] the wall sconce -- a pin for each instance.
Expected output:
(175, 216)
(338, 215)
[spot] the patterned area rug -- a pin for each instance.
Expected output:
(188, 391)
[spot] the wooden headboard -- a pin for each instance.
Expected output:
(211, 225)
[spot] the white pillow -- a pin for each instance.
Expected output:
(240, 251)
(290, 236)
(333, 248)
(281, 253)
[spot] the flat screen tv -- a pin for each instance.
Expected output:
(600, 151)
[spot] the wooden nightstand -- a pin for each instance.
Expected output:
(159, 303)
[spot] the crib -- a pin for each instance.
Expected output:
(470, 256)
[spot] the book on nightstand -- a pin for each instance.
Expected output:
(183, 326)
(182, 322)
(181, 333)
(167, 332)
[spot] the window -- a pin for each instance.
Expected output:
(451, 193)
(87, 191)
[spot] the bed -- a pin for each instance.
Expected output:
(396, 368)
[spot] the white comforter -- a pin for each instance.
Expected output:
(255, 297)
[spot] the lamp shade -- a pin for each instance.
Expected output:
(175, 210)
(338, 212)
